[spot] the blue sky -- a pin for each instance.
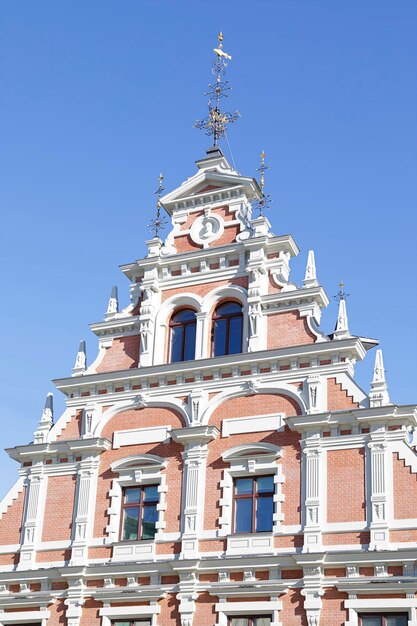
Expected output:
(99, 96)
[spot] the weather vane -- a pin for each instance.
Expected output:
(216, 122)
(265, 200)
(158, 223)
(341, 294)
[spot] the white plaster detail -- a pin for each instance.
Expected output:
(207, 228)
(252, 424)
(137, 436)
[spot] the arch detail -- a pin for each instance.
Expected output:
(283, 389)
(141, 402)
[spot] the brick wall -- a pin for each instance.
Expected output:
(59, 506)
(122, 355)
(11, 521)
(288, 329)
(346, 485)
(337, 397)
(405, 489)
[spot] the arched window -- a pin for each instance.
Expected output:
(183, 327)
(227, 329)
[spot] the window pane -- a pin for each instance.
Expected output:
(121, 623)
(132, 495)
(130, 523)
(150, 494)
(219, 338)
(239, 621)
(262, 621)
(243, 515)
(397, 620)
(235, 335)
(183, 316)
(189, 348)
(228, 307)
(176, 343)
(264, 511)
(265, 484)
(149, 519)
(244, 486)
(371, 620)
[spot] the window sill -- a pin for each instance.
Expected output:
(143, 550)
(250, 543)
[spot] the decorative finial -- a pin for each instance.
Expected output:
(341, 294)
(113, 305)
(216, 122)
(378, 395)
(265, 200)
(46, 421)
(342, 324)
(158, 223)
(310, 278)
(80, 364)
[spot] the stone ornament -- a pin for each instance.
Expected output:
(206, 229)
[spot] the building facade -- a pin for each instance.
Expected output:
(217, 464)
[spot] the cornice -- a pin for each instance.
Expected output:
(39, 451)
(349, 348)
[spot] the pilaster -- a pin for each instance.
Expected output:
(84, 510)
(313, 480)
(377, 504)
(32, 525)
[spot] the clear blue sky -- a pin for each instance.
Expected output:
(99, 96)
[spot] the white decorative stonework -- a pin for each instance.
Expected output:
(207, 229)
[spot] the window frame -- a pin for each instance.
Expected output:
(249, 617)
(141, 505)
(184, 326)
(253, 497)
(132, 621)
(227, 317)
(382, 615)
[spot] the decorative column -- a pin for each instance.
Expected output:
(312, 505)
(195, 440)
(74, 601)
(201, 343)
(378, 493)
(32, 525)
(84, 510)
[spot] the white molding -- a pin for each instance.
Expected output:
(137, 436)
(22, 617)
(252, 424)
(11, 495)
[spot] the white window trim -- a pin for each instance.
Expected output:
(137, 470)
(250, 460)
(22, 617)
(107, 613)
(230, 609)
(381, 605)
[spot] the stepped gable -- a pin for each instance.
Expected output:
(217, 464)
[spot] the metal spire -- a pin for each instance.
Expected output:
(158, 223)
(341, 294)
(265, 200)
(216, 122)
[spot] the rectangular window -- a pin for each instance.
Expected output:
(253, 505)
(139, 515)
(383, 619)
(264, 620)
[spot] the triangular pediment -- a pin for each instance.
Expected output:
(215, 180)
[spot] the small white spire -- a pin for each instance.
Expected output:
(113, 305)
(46, 421)
(378, 395)
(80, 364)
(342, 325)
(310, 278)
